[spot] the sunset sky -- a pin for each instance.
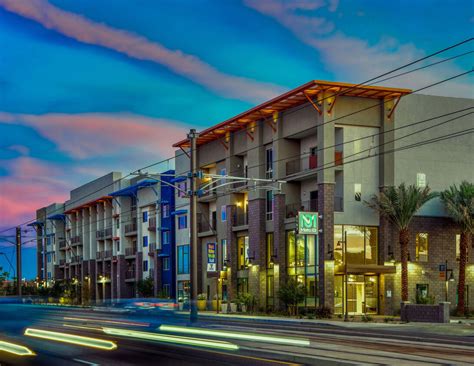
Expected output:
(88, 87)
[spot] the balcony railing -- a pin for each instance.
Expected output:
(131, 228)
(307, 163)
(62, 244)
(203, 223)
(130, 251)
(241, 219)
(100, 234)
(62, 262)
(76, 259)
(99, 255)
(76, 240)
(130, 274)
(108, 254)
(151, 248)
(292, 209)
(152, 223)
(108, 232)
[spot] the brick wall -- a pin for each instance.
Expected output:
(425, 313)
(231, 251)
(279, 242)
(121, 269)
(257, 249)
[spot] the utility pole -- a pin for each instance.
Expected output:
(18, 260)
(193, 226)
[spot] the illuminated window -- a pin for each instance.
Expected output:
(243, 252)
(269, 162)
(362, 243)
(270, 250)
(269, 205)
(422, 247)
(224, 251)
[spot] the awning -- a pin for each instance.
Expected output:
(164, 228)
(36, 223)
(88, 204)
(133, 189)
(179, 212)
(178, 179)
(163, 255)
(367, 269)
(57, 217)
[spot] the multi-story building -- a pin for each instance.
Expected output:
(109, 235)
(335, 145)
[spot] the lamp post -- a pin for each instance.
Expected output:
(446, 279)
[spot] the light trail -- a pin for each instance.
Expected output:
(71, 339)
(15, 349)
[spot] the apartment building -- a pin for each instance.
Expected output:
(335, 145)
(110, 234)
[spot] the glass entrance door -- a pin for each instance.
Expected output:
(355, 297)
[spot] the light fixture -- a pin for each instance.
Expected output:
(451, 277)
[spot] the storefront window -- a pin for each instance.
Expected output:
(243, 252)
(362, 244)
(362, 294)
(183, 290)
(242, 286)
(302, 263)
(422, 247)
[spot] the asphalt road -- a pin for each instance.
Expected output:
(327, 345)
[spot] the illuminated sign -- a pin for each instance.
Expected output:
(307, 223)
(211, 257)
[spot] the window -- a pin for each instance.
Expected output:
(182, 222)
(145, 216)
(224, 251)
(269, 205)
(183, 259)
(422, 247)
(243, 252)
(166, 237)
(117, 223)
(49, 275)
(166, 211)
(362, 243)
(166, 263)
(270, 250)
(49, 257)
(223, 173)
(242, 286)
(421, 180)
(182, 189)
(145, 241)
(357, 191)
(268, 162)
(118, 245)
(166, 290)
(223, 213)
(422, 293)
(145, 266)
(458, 246)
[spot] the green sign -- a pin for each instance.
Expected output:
(307, 223)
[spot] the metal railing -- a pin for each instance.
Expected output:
(108, 254)
(310, 162)
(75, 240)
(100, 234)
(151, 247)
(152, 223)
(99, 255)
(130, 251)
(203, 224)
(292, 209)
(130, 228)
(108, 232)
(62, 244)
(241, 219)
(130, 274)
(76, 259)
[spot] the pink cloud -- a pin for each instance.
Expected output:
(87, 31)
(90, 134)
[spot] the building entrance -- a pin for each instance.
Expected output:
(355, 297)
(362, 294)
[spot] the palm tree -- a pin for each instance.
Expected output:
(399, 205)
(459, 202)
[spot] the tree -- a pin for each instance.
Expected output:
(459, 203)
(145, 288)
(291, 294)
(3, 278)
(399, 205)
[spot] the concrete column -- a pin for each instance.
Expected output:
(231, 251)
(121, 268)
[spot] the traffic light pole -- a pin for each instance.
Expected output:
(18, 260)
(193, 226)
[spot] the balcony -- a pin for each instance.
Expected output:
(130, 274)
(108, 232)
(131, 229)
(241, 219)
(130, 251)
(107, 254)
(62, 262)
(62, 244)
(151, 249)
(203, 224)
(100, 234)
(99, 255)
(152, 223)
(292, 209)
(76, 240)
(308, 163)
(76, 259)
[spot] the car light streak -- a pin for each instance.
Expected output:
(15, 349)
(118, 322)
(71, 338)
(171, 339)
(235, 335)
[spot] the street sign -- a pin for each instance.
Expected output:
(211, 257)
(307, 223)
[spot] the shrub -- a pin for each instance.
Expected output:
(292, 293)
(323, 312)
(145, 288)
(202, 297)
(366, 318)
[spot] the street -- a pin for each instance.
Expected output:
(145, 338)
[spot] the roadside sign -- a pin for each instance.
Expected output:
(211, 257)
(307, 223)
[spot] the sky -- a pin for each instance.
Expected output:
(88, 87)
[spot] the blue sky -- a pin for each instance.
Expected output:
(87, 87)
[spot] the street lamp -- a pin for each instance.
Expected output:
(446, 279)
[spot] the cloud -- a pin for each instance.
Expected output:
(353, 59)
(87, 135)
(31, 184)
(138, 47)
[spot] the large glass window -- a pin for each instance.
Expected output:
(362, 244)
(269, 205)
(302, 263)
(243, 252)
(270, 250)
(269, 162)
(183, 259)
(421, 247)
